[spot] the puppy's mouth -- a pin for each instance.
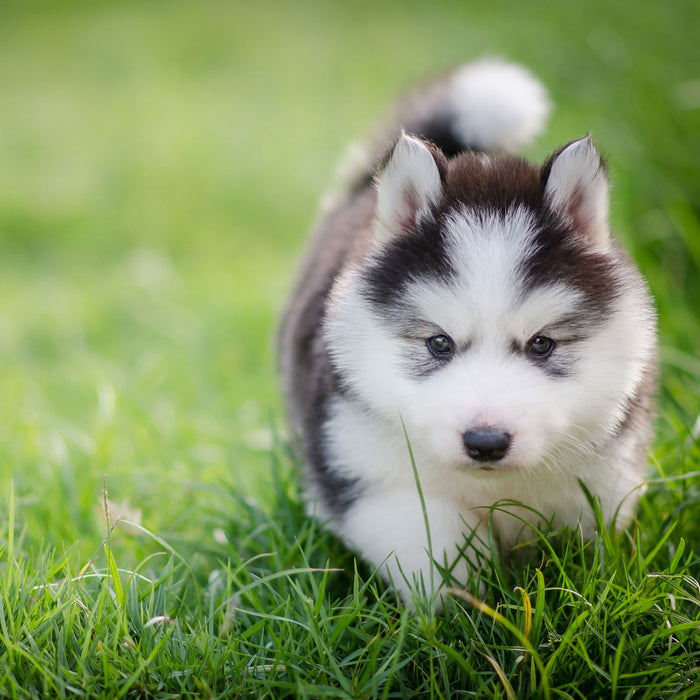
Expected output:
(472, 468)
(490, 468)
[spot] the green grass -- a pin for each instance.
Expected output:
(159, 166)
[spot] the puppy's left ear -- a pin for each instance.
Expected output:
(409, 186)
(576, 186)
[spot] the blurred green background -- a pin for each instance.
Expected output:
(160, 163)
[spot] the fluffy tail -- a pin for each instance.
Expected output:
(488, 105)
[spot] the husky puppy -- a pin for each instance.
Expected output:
(468, 314)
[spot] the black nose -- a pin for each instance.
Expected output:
(486, 444)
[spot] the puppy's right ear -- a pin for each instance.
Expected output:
(409, 186)
(576, 187)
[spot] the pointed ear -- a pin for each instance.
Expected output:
(408, 187)
(576, 186)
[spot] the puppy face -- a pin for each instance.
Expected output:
(494, 317)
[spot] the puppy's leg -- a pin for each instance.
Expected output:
(389, 529)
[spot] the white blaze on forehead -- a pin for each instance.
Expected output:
(487, 248)
(487, 251)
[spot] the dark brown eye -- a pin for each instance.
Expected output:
(540, 346)
(440, 345)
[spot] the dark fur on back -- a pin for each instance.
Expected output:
(310, 378)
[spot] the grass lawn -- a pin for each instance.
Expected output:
(160, 164)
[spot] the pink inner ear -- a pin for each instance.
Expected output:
(410, 202)
(586, 218)
(580, 216)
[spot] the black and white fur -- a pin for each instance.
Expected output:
(475, 307)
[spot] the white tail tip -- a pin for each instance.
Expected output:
(497, 105)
